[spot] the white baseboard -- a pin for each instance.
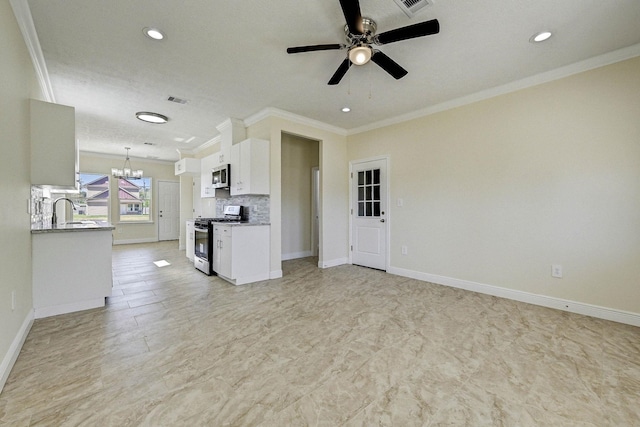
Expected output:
(275, 274)
(296, 255)
(606, 313)
(14, 350)
(332, 262)
(55, 310)
(132, 241)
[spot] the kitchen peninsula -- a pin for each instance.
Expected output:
(71, 267)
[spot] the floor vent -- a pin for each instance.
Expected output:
(178, 100)
(410, 7)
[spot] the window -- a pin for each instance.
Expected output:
(92, 203)
(134, 199)
(369, 193)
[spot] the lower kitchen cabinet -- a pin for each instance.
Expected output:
(71, 270)
(191, 242)
(241, 252)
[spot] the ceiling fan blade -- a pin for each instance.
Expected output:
(389, 65)
(299, 49)
(409, 32)
(340, 72)
(351, 11)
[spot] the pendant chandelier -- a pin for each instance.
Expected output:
(126, 172)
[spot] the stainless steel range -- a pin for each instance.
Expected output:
(203, 228)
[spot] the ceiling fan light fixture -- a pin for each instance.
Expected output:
(360, 55)
(153, 33)
(540, 37)
(149, 117)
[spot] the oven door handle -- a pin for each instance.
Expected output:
(201, 229)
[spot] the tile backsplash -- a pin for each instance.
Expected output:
(41, 208)
(256, 208)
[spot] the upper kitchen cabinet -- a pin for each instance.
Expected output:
(250, 167)
(232, 131)
(206, 183)
(187, 166)
(54, 151)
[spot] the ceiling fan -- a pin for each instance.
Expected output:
(361, 36)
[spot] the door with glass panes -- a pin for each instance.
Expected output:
(369, 226)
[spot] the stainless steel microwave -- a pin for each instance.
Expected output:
(221, 176)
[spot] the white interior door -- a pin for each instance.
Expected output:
(368, 224)
(168, 210)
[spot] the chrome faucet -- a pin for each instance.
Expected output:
(54, 218)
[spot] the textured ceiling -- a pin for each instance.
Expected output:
(228, 59)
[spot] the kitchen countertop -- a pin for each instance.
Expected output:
(74, 227)
(240, 224)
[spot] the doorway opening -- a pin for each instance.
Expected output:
(300, 197)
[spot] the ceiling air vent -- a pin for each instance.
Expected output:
(177, 100)
(410, 7)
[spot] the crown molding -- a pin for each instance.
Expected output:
(549, 76)
(215, 140)
(271, 112)
(121, 157)
(27, 28)
(229, 123)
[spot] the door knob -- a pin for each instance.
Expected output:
(382, 220)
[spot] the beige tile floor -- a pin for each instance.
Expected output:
(340, 346)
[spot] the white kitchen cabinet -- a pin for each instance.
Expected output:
(222, 157)
(241, 253)
(54, 151)
(71, 270)
(206, 186)
(187, 166)
(222, 250)
(250, 167)
(190, 245)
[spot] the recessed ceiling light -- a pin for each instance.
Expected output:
(153, 33)
(148, 117)
(345, 109)
(540, 37)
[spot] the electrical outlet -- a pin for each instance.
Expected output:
(13, 300)
(556, 271)
(400, 202)
(403, 249)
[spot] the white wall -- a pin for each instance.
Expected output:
(497, 191)
(299, 156)
(131, 232)
(17, 85)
